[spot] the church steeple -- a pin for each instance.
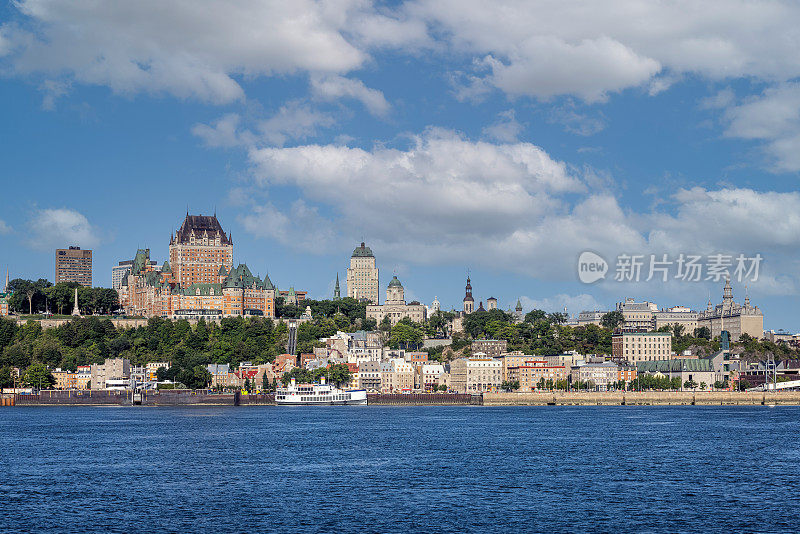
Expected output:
(336, 292)
(469, 302)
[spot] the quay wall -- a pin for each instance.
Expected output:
(643, 398)
(411, 399)
(178, 397)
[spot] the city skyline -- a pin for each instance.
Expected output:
(446, 153)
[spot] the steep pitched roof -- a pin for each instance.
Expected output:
(200, 224)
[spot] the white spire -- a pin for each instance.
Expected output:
(75, 310)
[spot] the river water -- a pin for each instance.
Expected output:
(399, 469)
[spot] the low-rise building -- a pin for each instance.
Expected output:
(600, 375)
(113, 369)
(637, 315)
(369, 375)
(475, 374)
(83, 377)
(699, 371)
(533, 372)
(632, 347)
(397, 376)
(431, 376)
(64, 379)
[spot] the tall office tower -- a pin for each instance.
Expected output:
(74, 265)
(200, 251)
(362, 276)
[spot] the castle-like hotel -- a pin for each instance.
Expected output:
(199, 280)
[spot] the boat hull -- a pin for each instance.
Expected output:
(356, 398)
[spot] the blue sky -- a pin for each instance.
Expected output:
(501, 139)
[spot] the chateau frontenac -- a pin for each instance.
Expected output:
(199, 280)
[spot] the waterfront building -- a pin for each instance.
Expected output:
(363, 275)
(513, 359)
(677, 315)
(632, 347)
(152, 370)
(369, 375)
(475, 374)
(600, 374)
(395, 306)
(431, 376)
(492, 348)
(626, 373)
(699, 371)
(533, 370)
(74, 265)
(397, 376)
(83, 377)
(64, 379)
(183, 287)
(736, 318)
(113, 369)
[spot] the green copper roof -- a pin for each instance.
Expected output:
(395, 282)
(363, 252)
(222, 271)
(140, 261)
(202, 289)
(166, 268)
(665, 366)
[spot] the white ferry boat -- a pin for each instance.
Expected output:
(318, 394)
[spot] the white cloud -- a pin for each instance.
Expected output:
(332, 87)
(293, 121)
(223, 133)
(4, 228)
(540, 49)
(447, 199)
(590, 49)
(300, 227)
(198, 52)
(506, 129)
(573, 303)
(774, 118)
(52, 228)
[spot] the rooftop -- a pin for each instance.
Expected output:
(363, 252)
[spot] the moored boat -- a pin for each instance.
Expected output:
(321, 394)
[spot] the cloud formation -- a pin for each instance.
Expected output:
(61, 227)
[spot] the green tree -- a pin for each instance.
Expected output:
(38, 376)
(690, 384)
(247, 384)
(339, 374)
(510, 385)
(6, 380)
(612, 319)
(442, 387)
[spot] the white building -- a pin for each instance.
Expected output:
(475, 375)
(431, 376)
(397, 376)
(395, 307)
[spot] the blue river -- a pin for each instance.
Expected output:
(396, 469)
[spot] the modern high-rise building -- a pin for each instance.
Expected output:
(119, 272)
(74, 265)
(199, 251)
(362, 276)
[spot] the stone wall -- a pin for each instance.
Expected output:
(642, 398)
